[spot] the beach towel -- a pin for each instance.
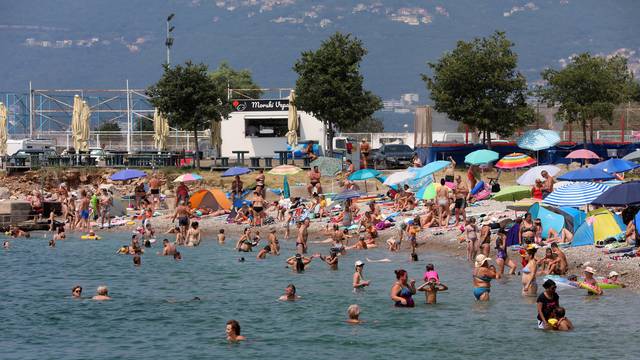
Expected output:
(513, 235)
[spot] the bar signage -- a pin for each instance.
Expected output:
(260, 105)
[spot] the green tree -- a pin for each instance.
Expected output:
(240, 80)
(189, 98)
(143, 124)
(477, 84)
(330, 85)
(371, 124)
(588, 88)
(111, 126)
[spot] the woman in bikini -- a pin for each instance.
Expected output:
(258, 207)
(529, 285)
(483, 273)
(502, 257)
(527, 230)
(403, 290)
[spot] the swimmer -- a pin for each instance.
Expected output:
(147, 243)
(177, 256)
(299, 262)
(233, 331)
(221, 237)
(413, 257)
(52, 243)
(262, 254)
(5, 244)
(289, 294)
(358, 281)
(241, 259)
(168, 248)
(353, 313)
(331, 260)
(76, 292)
(137, 261)
(102, 294)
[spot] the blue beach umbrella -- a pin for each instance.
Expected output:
(430, 168)
(613, 166)
(364, 174)
(479, 157)
(128, 174)
(235, 171)
(588, 174)
(539, 139)
(620, 195)
(575, 194)
(347, 194)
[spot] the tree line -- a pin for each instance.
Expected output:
(476, 84)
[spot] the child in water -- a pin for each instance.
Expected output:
(221, 237)
(432, 285)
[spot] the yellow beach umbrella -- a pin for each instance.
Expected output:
(292, 134)
(161, 130)
(83, 139)
(216, 135)
(75, 121)
(3, 129)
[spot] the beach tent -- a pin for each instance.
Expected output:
(573, 217)
(214, 199)
(549, 219)
(599, 225)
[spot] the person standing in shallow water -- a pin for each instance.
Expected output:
(358, 282)
(483, 273)
(403, 290)
(548, 301)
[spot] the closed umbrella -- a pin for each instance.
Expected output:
(187, 178)
(399, 178)
(512, 193)
(216, 135)
(515, 161)
(83, 140)
(539, 139)
(328, 166)
(479, 157)
(235, 171)
(3, 130)
(620, 195)
(588, 174)
(292, 134)
(531, 175)
(128, 174)
(160, 130)
(430, 169)
(575, 194)
(285, 188)
(285, 170)
(582, 154)
(614, 166)
(76, 131)
(634, 156)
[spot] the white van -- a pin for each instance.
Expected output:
(16, 145)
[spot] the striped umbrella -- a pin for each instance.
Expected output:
(575, 194)
(187, 178)
(515, 161)
(539, 139)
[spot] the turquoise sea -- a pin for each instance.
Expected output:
(152, 315)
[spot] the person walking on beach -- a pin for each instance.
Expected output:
(154, 190)
(314, 181)
(358, 281)
(442, 197)
(106, 201)
(403, 290)
(483, 273)
(182, 214)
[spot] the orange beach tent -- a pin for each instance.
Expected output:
(212, 199)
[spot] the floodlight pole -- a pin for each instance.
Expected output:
(169, 40)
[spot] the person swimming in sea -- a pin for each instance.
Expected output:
(76, 292)
(298, 262)
(359, 283)
(289, 294)
(403, 290)
(353, 314)
(233, 331)
(102, 294)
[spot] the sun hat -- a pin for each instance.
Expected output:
(590, 270)
(612, 274)
(481, 259)
(359, 263)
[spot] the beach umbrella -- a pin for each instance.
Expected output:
(235, 171)
(347, 194)
(285, 170)
(187, 178)
(512, 193)
(399, 178)
(285, 188)
(481, 157)
(613, 166)
(3, 129)
(530, 176)
(515, 161)
(539, 139)
(430, 168)
(634, 156)
(292, 120)
(583, 154)
(575, 194)
(588, 174)
(75, 121)
(328, 166)
(428, 192)
(83, 140)
(216, 135)
(160, 130)
(128, 174)
(364, 174)
(620, 195)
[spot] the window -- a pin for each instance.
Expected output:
(266, 127)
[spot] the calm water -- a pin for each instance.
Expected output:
(151, 316)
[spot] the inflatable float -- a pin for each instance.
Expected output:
(90, 237)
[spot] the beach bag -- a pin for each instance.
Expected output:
(495, 188)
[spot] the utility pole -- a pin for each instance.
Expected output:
(169, 40)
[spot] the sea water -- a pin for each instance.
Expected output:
(152, 314)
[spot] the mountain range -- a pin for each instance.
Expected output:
(99, 44)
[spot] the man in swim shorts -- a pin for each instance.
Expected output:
(182, 214)
(461, 192)
(154, 191)
(83, 209)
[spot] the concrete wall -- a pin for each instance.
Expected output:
(233, 134)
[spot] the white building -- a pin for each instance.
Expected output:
(260, 127)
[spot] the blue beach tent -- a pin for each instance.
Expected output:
(549, 219)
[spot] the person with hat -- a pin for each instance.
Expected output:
(483, 273)
(358, 281)
(548, 301)
(593, 288)
(613, 278)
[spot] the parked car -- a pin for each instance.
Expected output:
(393, 156)
(97, 153)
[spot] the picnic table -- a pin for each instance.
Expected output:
(240, 154)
